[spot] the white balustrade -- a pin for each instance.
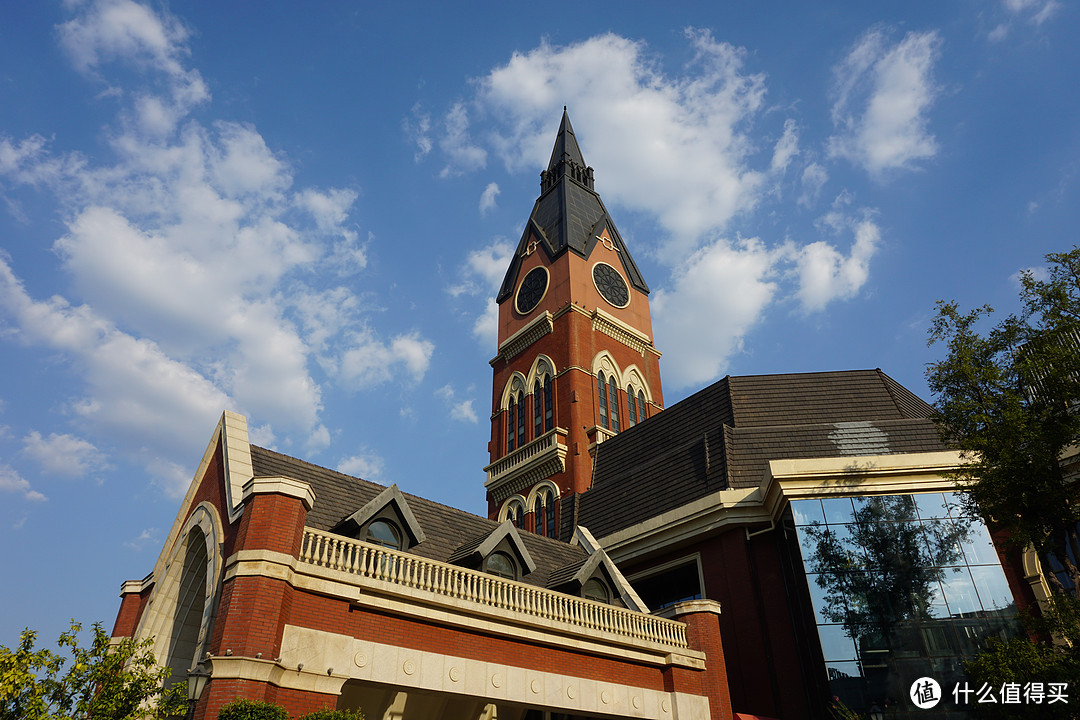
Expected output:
(378, 563)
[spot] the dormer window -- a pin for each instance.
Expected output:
(384, 533)
(501, 565)
(596, 590)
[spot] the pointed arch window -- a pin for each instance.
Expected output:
(613, 405)
(549, 414)
(520, 418)
(640, 406)
(515, 512)
(544, 512)
(631, 406)
(510, 416)
(602, 392)
(538, 409)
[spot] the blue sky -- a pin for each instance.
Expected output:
(302, 211)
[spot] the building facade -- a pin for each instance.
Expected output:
(771, 546)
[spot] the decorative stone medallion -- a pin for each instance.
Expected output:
(360, 658)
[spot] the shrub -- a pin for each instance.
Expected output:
(252, 710)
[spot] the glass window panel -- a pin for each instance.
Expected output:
(960, 592)
(978, 548)
(838, 510)
(817, 597)
(940, 638)
(938, 533)
(930, 505)
(807, 511)
(937, 607)
(835, 643)
(840, 670)
(992, 587)
(952, 501)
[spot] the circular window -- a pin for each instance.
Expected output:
(500, 564)
(611, 285)
(382, 532)
(595, 590)
(532, 290)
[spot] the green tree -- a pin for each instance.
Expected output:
(1007, 398)
(101, 681)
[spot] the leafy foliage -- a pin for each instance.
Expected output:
(1008, 399)
(334, 715)
(103, 681)
(1022, 661)
(252, 710)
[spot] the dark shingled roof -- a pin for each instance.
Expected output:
(724, 436)
(446, 529)
(569, 214)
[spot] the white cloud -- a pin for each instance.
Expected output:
(189, 253)
(486, 327)
(814, 177)
(63, 454)
(826, 275)
(418, 130)
(1037, 11)
(123, 30)
(464, 156)
(786, 147)
(370, 361)
(365, 465)
(459, 409)
(487, 199)
(147, 536)
(11, 481)
(688, 134)
(717, 295)
(883, 93)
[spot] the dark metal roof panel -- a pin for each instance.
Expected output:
(338, 495)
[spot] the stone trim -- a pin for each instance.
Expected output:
(686, 607)
(526, 336)
(320, 661)
(237, 452)
(135, 587)
(615, 328)
(537, 460)
(786, 480)
(280, 486)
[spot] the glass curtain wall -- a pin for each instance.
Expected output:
(903, 587)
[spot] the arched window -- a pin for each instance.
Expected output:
(515, 513)
(595, 589)
(501, 565)
(384, 533)
(613, 406)
(601, 390)
(190, 604)
(632, 416)
(641, 406)
(520, 419)
(549, 415)
(510, 418)
(544, 512)
(538, 409)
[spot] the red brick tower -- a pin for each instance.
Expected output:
(576, 362)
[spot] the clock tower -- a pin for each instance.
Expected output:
(576, 363)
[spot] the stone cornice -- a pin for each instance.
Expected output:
(537, 328)
(615, 328)
(280, 486)
(785, 480)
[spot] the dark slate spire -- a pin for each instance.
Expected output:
(566, 159)
(569, 214)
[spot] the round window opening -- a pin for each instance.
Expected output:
(611, 285)
(382, 532)
(500, 565)
(595, 590)
(532, 290)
